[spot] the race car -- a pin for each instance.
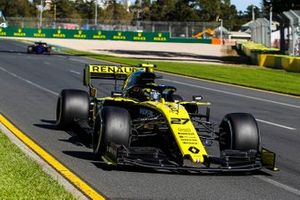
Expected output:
(148, 124)
(39, 48)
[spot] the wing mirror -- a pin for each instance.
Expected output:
(197, 98)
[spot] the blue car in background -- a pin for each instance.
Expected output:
(39, 48)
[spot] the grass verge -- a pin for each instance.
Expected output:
(249, 76)
(22, 178)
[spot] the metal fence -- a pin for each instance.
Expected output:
(176, 29)
(260, 31)
(294, 31)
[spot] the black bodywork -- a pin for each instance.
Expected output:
(146, 124)
(39, 48)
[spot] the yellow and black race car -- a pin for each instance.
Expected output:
(147, 124)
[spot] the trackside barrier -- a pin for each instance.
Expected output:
(269, 57)
(270, 61)
(253, 50)
(97, 35)
(288, 63)
(291, 64)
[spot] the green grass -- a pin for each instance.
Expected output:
(249, 76)
(22, 178)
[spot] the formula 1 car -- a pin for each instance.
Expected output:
(148, 124)
(39, 48)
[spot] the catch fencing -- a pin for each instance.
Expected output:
(176, 29)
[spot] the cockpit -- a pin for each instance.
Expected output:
(141, 86)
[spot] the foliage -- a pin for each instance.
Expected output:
(279, 6)
(22, 178)
(17, 8)
(146, 10)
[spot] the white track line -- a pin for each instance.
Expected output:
(29, 82)
(274, 124)
(279, 185)
(275, 183)
(75, 72)
(234, 94)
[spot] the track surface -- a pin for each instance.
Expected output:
(29, 86)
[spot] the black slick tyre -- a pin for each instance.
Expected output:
(72, 105)
(239, 131)
(176, 97)
(113, 125)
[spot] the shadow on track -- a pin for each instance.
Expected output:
(79, 137)
(165, 55)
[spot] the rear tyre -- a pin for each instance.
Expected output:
(72, 105)
(239, 131)
(171, 97)
(113, 125)
(48, 50)
(176, 97)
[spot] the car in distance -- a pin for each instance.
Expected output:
(39, 48)
(148, 124)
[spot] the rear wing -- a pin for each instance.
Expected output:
(114, 72)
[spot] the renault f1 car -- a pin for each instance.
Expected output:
(148, 124)
(39, 48)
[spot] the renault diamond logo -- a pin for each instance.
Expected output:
(194, 150)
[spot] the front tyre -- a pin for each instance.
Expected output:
(239, 131)
(113, 125)
(29, 49)
(72, 105)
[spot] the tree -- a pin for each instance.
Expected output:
(17, 8)
(116, 12)
(141, 10)
(66, 9)
(209, 10)
(86, 9)
(163, 10)
(248, 13)
(281, 5)
(229, 16)
(185, 11)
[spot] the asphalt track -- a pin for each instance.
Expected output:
(29, 85)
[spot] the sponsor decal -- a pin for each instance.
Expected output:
(119, 36)
(194, 150)
(111, 69)
(2, 32)
(184, 129)
(79, 35)
(20, 33)
(139, 37)
(179, 120)
(39, 34)
(59, 34)
(99, 36)
(160, 38)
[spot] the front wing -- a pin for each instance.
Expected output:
(154, 158)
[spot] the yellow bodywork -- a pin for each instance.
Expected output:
(182, 129)
(177, 117)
